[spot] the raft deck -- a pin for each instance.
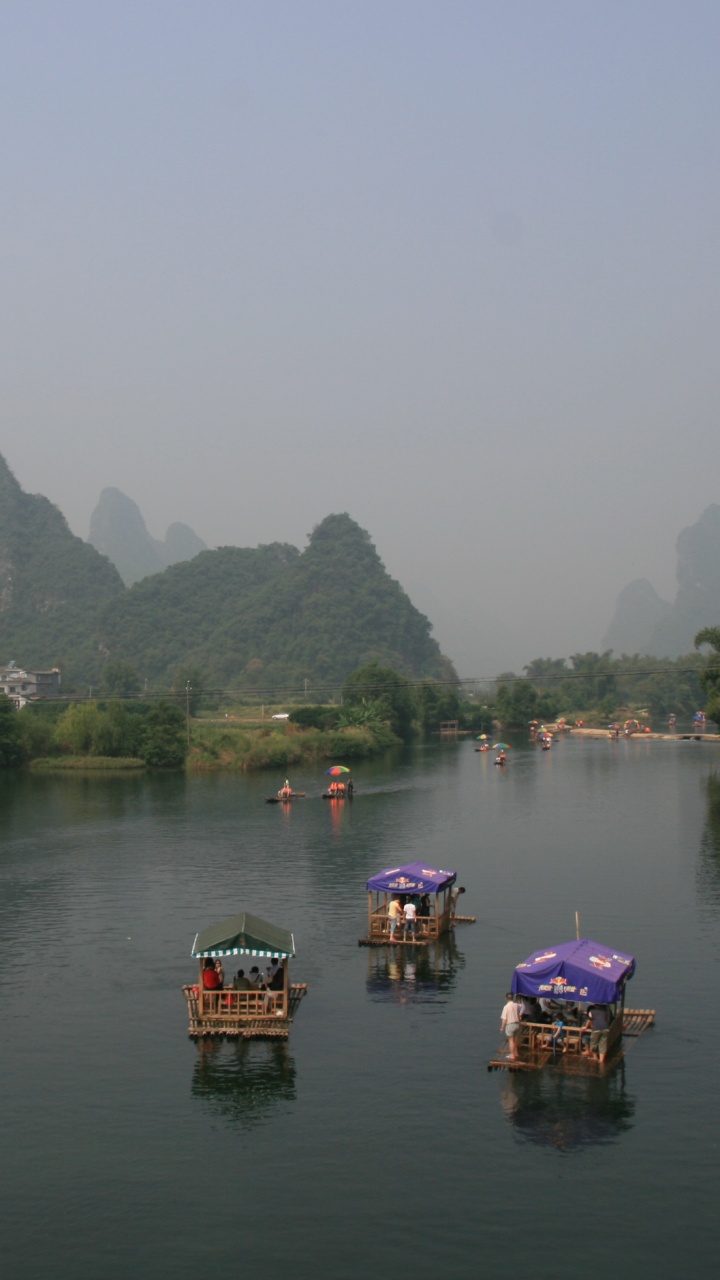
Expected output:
(421, 940)
(572, 1061)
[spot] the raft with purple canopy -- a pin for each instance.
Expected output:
(431, 889)
(571, 979)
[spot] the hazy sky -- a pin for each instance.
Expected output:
(451, 267)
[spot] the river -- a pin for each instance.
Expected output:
(375, 1142)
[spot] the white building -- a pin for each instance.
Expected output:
(28, 686)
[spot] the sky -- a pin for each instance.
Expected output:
(449, 266)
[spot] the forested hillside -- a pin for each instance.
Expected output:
(52, 586)
(273, 616)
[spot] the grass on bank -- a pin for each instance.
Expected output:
(232, 747)
(88, 762)
(227, 746)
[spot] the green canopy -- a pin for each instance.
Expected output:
(244, 935)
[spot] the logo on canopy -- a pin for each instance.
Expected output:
(601, 962)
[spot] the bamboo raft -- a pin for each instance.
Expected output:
(635, 1022)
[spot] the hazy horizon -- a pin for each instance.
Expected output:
(449, 268)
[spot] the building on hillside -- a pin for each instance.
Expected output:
(28, 686)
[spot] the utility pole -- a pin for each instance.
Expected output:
(187, 709)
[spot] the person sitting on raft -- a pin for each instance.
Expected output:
(285, 791)
(211, 977)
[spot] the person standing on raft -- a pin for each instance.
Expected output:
(510, 1024)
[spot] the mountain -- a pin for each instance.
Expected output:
(118, 531)
(52, 586)
(646, 624)
(697, 603)
(274, 616)
(638, 611)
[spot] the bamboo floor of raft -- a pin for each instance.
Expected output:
(248, 1032)
(384, 941)
(635, 1021)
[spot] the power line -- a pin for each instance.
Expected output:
(279, 693)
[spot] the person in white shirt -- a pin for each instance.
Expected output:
(510, 1024)
(409, 914)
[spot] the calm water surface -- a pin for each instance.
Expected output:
(376, 1141)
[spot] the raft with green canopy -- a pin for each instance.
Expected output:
(235, 1005)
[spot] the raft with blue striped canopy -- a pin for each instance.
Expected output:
(240, 1006)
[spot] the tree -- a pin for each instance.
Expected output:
(366, 714)
(314, 717)
(163, 744)
(710, 675)
(435, 702)
(10, 742)
(121, 678)
(92, 729)
(395, 694)
(516, 706)
(596, 679)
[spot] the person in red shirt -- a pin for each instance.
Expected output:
(211, 977)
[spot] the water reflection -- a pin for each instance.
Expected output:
(243, 1082)
(419, 975)
(568, 1113)
(709, 868)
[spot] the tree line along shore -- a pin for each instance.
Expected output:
(377, 708)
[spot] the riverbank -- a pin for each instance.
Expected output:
(230, 747)
(651, 737)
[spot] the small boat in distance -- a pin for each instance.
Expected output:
(285, 795)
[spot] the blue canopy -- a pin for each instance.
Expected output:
(414, 877)
(584, 971)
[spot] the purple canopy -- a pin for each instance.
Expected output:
(583, 971)
(415, 877)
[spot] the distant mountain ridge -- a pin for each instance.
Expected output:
(274, 616)
(118, 531)
(638, 611)
(644, 623)
(268, 617)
